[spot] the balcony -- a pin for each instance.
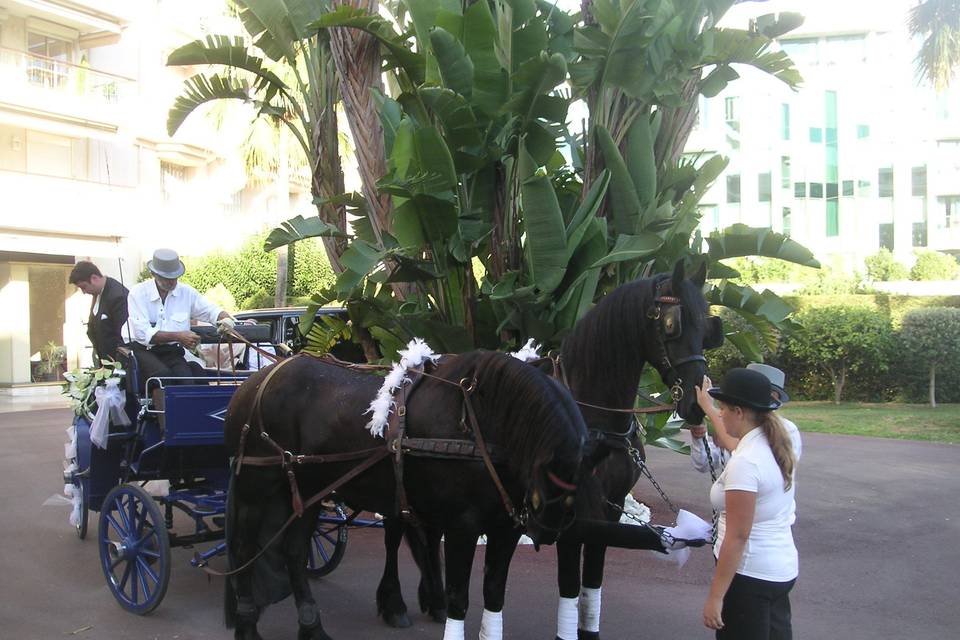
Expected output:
(48, 88)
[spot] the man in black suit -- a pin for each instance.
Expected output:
(108, 311)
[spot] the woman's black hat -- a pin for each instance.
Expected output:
(745, 388)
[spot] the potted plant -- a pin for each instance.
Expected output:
(53, 361)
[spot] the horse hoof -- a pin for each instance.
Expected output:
(587, 635)
(397, 620)
(438, 615)
(313, 633)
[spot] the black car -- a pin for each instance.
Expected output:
(285, 328)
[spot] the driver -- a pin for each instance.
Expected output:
(160, 312)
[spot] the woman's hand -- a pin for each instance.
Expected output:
(711, 613)
(704, 399)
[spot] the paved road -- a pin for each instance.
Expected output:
(877, 531)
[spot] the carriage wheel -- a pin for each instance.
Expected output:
(328, 544)
(134, 548)
(81, 490)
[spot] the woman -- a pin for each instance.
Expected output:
(756, 558)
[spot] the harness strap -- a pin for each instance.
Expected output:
(395, 431)
(453, 448)
(255, 410)
(379, 454)
(467, 389)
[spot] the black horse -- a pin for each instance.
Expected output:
(314, 408)
(662, 321)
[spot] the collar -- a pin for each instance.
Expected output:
(155, 293)
(752, 435)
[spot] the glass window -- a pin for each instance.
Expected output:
(803, 51)
(863, 188)
(785, 121)
(785, 214)
(799, 189)
(833, 219)
(785, 172)
(863, 131)
(885, 182)
(848, 49)
(763, 187)
(173, 179)
(886, 235)
(951, 210)
(816, 134)
(832, 191)
(848, 187)
(46, 62)
(816, 189)
(731, 113)
(733, 189)
(919, 234)
(918, 187)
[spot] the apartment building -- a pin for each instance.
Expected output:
(862, 156)
(87, 170)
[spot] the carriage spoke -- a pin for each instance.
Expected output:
(144, 571)
(134, 582)
(124, 525)
(126, 575)
(117, 527)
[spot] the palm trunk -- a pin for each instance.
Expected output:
(282, 194)
(838, 382)
(357, 59)
(933, 385)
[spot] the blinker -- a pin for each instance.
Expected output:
(713, 339)
(670, 321)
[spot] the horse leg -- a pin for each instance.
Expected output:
(568, 580)
(458, 551)
(594, 556)
(501, 545)
(296, 549)
(246, 613)
(425, 547)
(390, 602)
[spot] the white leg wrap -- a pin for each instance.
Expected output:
(590, 609)
(491, 625)
(567, 619)
(453, 630)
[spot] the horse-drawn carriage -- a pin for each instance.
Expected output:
(161, 480)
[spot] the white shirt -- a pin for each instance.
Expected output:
(149, 314)
(769, 553)
(719, 456)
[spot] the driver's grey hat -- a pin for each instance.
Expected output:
(775, 376)
(166, 264)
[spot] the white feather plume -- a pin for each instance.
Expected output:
(414, 355)
(529, 351)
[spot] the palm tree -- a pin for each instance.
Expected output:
(938, 23)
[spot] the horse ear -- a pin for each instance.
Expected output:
(700, 276)
(678, 275)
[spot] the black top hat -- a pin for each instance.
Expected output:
(745, 388)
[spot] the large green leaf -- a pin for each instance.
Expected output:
(640, 159)
(230, 52)
(545, 238)
(424, 14)
(740, 240)
(299, 228)
(735, 46)
(630, 247)
(622, 62)
(455, 115)
(623, 195)
(586, 212)
(358, 260)
(479, 41)
(456, 68)
(200, 89)
(537, 77)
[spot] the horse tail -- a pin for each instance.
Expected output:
(229, 593)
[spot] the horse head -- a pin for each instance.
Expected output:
(679, 330)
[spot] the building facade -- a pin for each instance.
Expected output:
(862, 156)
(87, 170)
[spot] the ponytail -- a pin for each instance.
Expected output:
(780, 444)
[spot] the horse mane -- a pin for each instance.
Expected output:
(528, 414)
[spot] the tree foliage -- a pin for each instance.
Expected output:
(844, 342)
(884, 267)
(933, 265)
(931, 344)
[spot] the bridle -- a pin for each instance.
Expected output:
(665, 315)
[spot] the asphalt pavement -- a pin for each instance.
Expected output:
(877, 529)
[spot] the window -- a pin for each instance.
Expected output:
(863, 188)
(173, 178)
(832, 191)
(833, 219)
(799, 189)
(918, 186)
(816, 189)
(785, 214)
(731, 113)
(763, 187)
(816, 135)
(785, 121)
(885, 182)
(803, 51)
(785, 172)
(733, 189)
(848, 187)
(919, 234)
(863, 131)
(951, 210)
(46, 64)
(847, 49)
(886, 235)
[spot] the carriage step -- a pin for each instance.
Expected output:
(220, 521)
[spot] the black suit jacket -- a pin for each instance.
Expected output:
(103, 328)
